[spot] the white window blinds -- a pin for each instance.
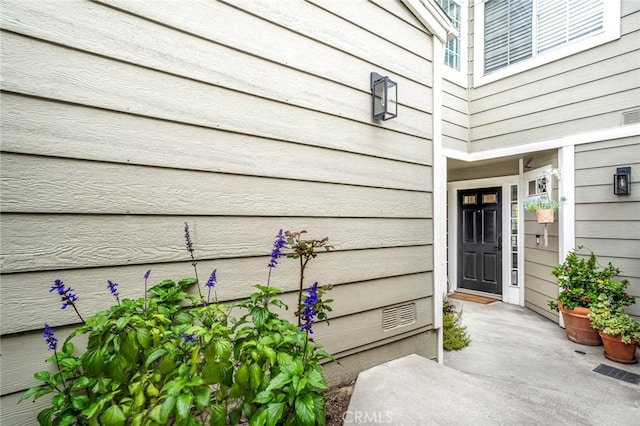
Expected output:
(507, 32)
(515, 30)
(562, 21)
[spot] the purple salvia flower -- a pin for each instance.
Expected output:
(51, 341)
(67, 297)
(111, 285)
(146, 274)
(212, 280)
(188, 337)
(309, 312)
(276, 252)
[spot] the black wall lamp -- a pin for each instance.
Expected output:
(384, 92)
(622, 181)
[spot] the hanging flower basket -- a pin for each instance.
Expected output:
(544, 215)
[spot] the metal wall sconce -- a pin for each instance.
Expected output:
(622, 181)
(384, 93)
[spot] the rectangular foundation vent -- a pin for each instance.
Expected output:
(631, 117)
(617, 373)
(398, 316)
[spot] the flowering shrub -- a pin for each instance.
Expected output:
(171, 357)
(582, 280)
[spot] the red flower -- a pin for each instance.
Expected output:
(566, 270)
(587, 299)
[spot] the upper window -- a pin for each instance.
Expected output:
(454, 50)
(515, 35)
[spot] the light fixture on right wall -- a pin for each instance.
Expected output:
(622, 181)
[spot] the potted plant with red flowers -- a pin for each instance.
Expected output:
(581, 281)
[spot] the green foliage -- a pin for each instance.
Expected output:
(454, 334)
(543, 202)
(172, 358)
(609, 318)
(582, 280)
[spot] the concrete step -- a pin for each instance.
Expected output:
(417, 391)
(520, 369)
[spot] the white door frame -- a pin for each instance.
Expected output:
(510, 294)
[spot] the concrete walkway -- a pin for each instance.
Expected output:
(520, 369)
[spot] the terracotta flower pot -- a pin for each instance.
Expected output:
(616, 350)
(544, 216)
(578, 326)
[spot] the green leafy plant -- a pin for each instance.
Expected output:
(543, 202)
(172, 357)
(454, 334)
(609, 318)
(582, 280)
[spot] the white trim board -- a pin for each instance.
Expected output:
(510, 294)
(572, 140)
(439, 199)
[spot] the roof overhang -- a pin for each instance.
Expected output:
(431, 15)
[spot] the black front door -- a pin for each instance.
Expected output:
(480, 240)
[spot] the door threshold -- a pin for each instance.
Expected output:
(479, 293)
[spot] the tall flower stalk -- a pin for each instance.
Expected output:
(146, 277)
(52, 344)
(304, 251)
(189, 242)
(276, 253)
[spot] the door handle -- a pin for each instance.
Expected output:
(499, 246)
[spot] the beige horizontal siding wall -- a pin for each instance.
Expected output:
(121, 120)
(455, 103)
(608, 224)
(539, 284)
(455, 116)
(585, 92)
